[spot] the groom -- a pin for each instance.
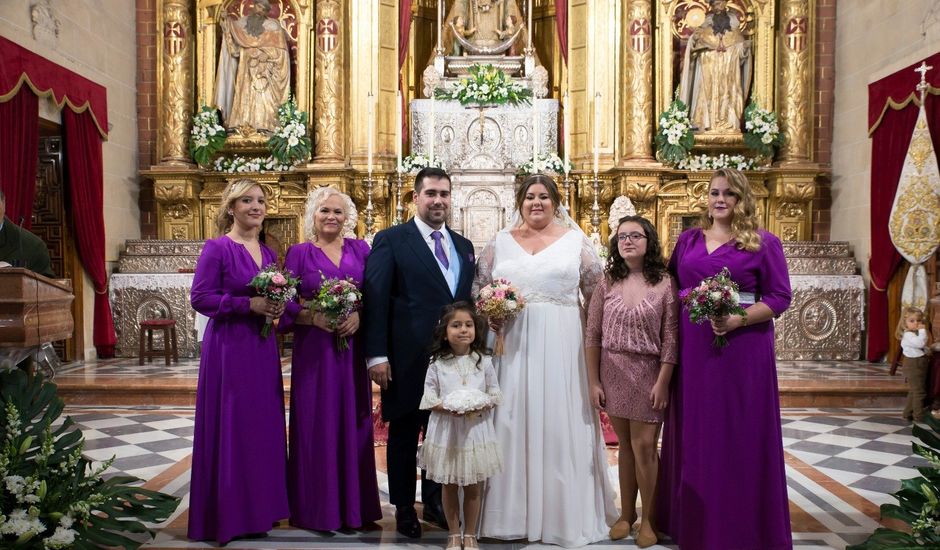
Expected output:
(414, 270)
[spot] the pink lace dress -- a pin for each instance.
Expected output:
(634, 337)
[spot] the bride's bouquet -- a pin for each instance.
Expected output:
(464, 400)
(499, 301)
(337, 299)
(275, 285)
(713, 298)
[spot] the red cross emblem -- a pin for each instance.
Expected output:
(327, 35)
(796, 33)
(640, 34)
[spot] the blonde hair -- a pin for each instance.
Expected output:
(316, 198)
(907, 313)
(233, 191)
(744, 223)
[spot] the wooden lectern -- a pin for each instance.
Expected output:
(33, 309)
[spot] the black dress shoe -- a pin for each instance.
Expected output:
(434, 513)
(406, 522)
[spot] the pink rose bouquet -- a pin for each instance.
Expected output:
(337, 299)
(500, 301)
(275, 285)
(713, 298)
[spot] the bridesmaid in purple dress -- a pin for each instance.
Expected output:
(331, 470)
(722, 478)
(239, 481)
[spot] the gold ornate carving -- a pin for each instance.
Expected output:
(791, 205)
(328, 131)
(917, 231)
(637, 83)
(795, 88)
(175, 85)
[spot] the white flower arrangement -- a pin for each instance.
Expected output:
(415, 162)
(702, 163)
(289, 143)
(544, 163)
(238, 164)
(761, 130)
(486, 85)
(674, 138)
(207, 136)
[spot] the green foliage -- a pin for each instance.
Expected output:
(485, 86)
(674, 139)
(51, 497)
(289, 143)
(207, 136)
(918, 500)
(761, 131)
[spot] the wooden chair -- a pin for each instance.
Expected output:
(169, 351)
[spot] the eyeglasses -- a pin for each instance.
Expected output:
(621, 237)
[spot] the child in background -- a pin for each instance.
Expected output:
(912, 332)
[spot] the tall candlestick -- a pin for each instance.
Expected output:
(535, 135)
(371, 130)
(440, 24)
(531, 45)
(398, 132)
(431, 129)
(566, 131)
(597, 132)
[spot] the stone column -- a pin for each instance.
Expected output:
(637, 84)
(176, 45)
(795, 86)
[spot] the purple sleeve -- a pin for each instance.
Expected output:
(292, 263)
(208, 294)
(594, 332)
(677, 254)
(773, 278)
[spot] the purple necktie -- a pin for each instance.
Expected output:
(439, 249)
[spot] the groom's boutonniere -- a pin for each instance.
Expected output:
(471, 257)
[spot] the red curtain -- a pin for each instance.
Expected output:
(891, 117)
(404, 32)
(561, 23)
(85, 179)
(19, 155)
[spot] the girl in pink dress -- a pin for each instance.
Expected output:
(631, 348)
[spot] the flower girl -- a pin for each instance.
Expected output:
(460, 447)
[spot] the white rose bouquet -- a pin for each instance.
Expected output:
(486, 85)
(761, 131)
(415, 162)
(499, 301)
(544, 163)
(289, 143)
(674, 138)
(703, 163)
(237, 164)
(207, 136)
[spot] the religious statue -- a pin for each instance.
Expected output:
(492, 31)
(253, 78)
(716, 72)
(461, 29)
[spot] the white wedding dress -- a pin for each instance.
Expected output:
(554, 485)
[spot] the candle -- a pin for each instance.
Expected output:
(398, 131)
(431, 129)
(597, 132)
(535, 135)
(566, 131)
(371, 129)
(531, 45)
(440, 23)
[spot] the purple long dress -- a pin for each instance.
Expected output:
(331, 469)
(722, 479)
(239, 481)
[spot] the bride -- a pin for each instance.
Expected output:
(554, 485)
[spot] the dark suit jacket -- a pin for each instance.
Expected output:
(21, 248)
(403, 294)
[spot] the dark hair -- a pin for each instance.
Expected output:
(654, 266)
(440, 347)
(429, 172)
(549, 184)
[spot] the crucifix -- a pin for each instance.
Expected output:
(922, 86)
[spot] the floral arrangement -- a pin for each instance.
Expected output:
(464, 400)
(499, 301)
(207, 136)
(486, 85)
(236, 163)
(337, 299)
(415, 162)
(713, 298)
(275, 285)
(50, 495)
(918, 499)
(708, 162)
(762, 133)
(674, 138)
(544, 163)
(289, 143)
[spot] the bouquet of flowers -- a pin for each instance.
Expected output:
(674, 139)
(275, 285)
(713, 298)
(703, 163)
(415, 162)
(486, 85)
(337, 299)
(236, 164)
(762, 133)
(544, 163)
(464, 400)
(500, 301)
(207, 136)
(289, 143)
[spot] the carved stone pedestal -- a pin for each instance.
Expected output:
(826, 317)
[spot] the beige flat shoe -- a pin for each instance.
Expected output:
(470, 541)
(454, 542)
